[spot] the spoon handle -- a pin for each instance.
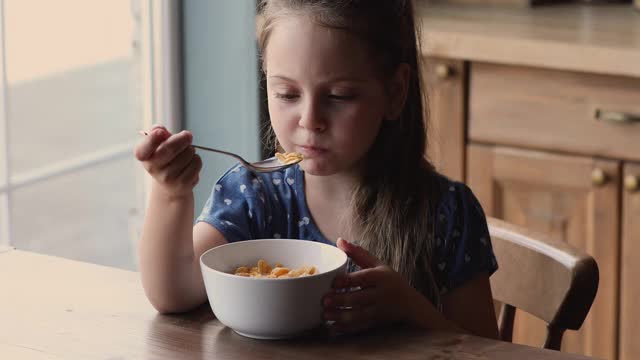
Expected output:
(255, 168)
(236, 156)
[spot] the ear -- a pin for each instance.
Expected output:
(397, 89)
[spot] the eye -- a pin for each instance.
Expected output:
(286, 96)
(340, 97)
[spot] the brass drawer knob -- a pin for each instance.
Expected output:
(443, 71)
(598, 177)
(631, 182)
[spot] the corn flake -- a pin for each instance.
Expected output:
(264, 270)
(289, 158)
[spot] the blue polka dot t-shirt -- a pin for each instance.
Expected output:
(245, 206)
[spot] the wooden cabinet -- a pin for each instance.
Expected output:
(561, 111)
(558, 194)
(539, 112)
(537, 153)
(446, 88)
(630, 265)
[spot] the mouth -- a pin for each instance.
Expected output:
(312, 151)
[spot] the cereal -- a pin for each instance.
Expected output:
(264, 270)
(242, 269)
(263, 267)
(279, 271)
(288, 158)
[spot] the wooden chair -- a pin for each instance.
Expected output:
(545, 277)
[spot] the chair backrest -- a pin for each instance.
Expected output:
(545, 277)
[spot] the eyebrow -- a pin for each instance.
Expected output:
(334, 79)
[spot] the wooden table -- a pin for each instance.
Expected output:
(53, 308)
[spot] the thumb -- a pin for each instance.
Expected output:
(358, 254)
(146, 147)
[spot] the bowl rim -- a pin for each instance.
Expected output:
(248, 278)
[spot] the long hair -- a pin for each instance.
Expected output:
(392, 207)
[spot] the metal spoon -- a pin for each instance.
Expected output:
(264, 166)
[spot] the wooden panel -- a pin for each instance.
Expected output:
(555, 194)
(597, 39)
(630, 273)
(553, 110)
(447, 104)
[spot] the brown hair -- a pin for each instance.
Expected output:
(393, 206)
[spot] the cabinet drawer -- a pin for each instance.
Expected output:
(555, 110)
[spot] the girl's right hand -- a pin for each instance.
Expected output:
(170, 160)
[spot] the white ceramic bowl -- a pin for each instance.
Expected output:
(270, 308)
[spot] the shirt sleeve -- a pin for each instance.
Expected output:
(462, 241)
(236, 205)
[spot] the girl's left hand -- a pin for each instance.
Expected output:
(384, 295)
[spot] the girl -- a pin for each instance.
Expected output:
(344, 89)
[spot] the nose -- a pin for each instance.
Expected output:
(312, 117)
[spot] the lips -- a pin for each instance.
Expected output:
(312, 151)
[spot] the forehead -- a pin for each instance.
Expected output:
(300, 46)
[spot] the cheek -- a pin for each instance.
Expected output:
(283, 122)
(364, 125)
(276, 110)
(278, 126)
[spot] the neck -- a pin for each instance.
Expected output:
(329, 200)
(335, 188)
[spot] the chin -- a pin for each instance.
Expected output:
(315, 168)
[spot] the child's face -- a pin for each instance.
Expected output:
(326, 98)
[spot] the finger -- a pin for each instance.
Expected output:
(358, 254)
(154, 127)
(353, 319)
(366, 278)
(170, 148)
(176, 168)
(147, 146)
(158, 126)
(192, 172)
(353, 299)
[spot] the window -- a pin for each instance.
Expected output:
(73, 92)
(82, 77)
